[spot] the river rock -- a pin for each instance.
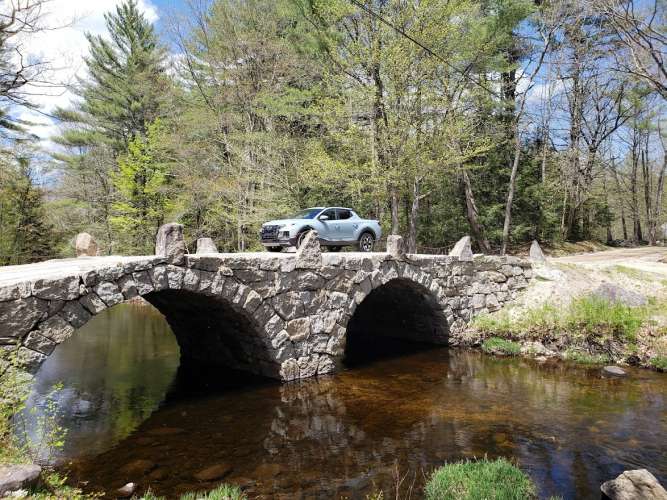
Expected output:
(213, 472)
(614, 293)
(85, 245)
(614, 371)
(462, 250)
(637, 484)
(18, 477)
(170, 243)
(127, 490)
(206, 245)
(138, 467)
(309, 254)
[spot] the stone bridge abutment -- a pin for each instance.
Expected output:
(284, 316)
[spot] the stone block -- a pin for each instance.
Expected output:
(18, 317)
(206, 245)
(85, 245)
(66, 288)
(75, 314)
(396, 246)
(170, 243)
(109, 293)
(462, 249)
(309, 254)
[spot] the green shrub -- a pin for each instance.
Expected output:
(584, 358)
(660, 363)
(480, 480)
(496, 345)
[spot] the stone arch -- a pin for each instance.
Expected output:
(404, 303)
(217, 318)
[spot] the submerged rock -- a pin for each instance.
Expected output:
(637, 484)
(137, 467)
(213, 472)
(18, 477)
(614, 371)
(127, 490)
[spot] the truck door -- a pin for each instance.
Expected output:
(347, 225)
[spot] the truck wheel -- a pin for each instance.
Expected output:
(301, 237)
(275, 249)
(366, 242)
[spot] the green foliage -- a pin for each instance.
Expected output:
(26, 236)
(479, 480)
(143, 197)
(496, 345)
(222, 492)
(585, 358)
(660, 363)
(587, 316)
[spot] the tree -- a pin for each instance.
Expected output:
(125, 85)
(26, 233)
(143, 200)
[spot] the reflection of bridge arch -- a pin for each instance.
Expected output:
(275, 315)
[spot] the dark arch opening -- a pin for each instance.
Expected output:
(398, 317)
(212, 334)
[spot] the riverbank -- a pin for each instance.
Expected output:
(599, 308)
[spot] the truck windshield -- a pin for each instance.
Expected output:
(308, 213)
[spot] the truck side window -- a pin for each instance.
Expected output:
(331, 213)
(344, 214)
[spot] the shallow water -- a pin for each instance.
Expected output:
(370, 427)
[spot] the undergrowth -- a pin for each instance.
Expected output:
(496, 345)
(586, 316)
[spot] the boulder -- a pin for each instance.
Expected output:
(614, 371)
(637, 484)
(309, 254)
(462, 250)
(85, 245)
(536, 255)
(396, 246)
(614, 293)
(170, 243)
(18, 477)
(206, 245)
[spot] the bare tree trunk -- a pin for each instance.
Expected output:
(510, 192)
(659, 190)
(471, 214)
(620, 201)
(414, 212)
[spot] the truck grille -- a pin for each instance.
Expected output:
(269, 233)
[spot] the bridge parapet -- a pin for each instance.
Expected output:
(273, 314)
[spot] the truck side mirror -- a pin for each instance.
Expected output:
(323, 217)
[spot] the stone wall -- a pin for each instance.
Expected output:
(279, 315)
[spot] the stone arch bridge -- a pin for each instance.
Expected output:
(285, 316)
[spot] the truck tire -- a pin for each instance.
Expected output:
(275, 249)
(366, 242)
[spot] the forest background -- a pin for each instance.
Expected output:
(509, 120)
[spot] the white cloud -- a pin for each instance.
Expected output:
(64, 46)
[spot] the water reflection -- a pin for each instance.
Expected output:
(114, 372)
(347, 435)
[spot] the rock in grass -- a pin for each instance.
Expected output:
(614, 371)
(18, 477)
(614, 293)
(637, 484)
(213, 472)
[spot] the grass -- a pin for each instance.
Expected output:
(584, 358)
(631, 272)
(496, 345)
(588, 316)
(222, 492)
(660, 363)
(479, 480)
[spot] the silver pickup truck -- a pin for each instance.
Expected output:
(336, 226)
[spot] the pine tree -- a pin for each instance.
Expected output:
(125, 85)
